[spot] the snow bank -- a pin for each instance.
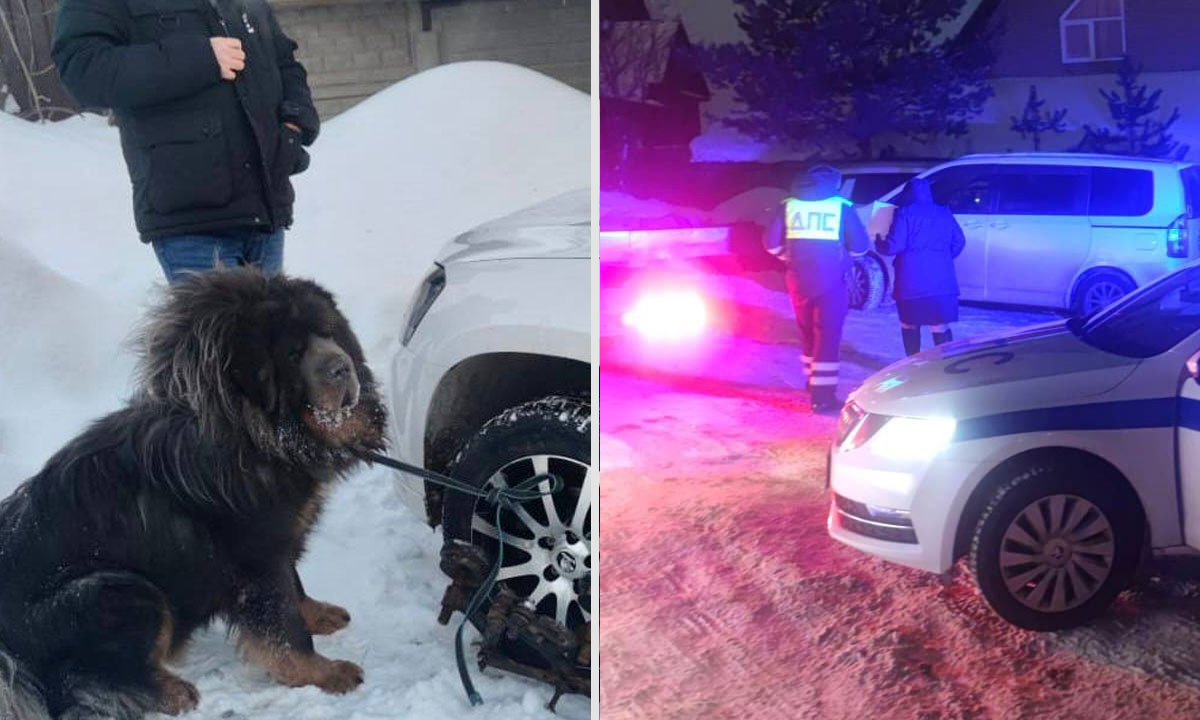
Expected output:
(63, 363)
(391, 182)
(622, 211)
(399, 175)
(69, 204)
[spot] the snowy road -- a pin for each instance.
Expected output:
(722, 597)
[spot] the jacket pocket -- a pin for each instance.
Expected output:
(189, 163)
(157, 19)
(288, 153)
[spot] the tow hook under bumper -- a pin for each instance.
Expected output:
(553, 653)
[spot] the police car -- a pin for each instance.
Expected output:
(1056, 457)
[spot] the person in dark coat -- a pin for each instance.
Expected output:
(815, 234)
(213, 110)
(925, 238)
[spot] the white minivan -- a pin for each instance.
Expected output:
(1057, 457)
(1062, 230)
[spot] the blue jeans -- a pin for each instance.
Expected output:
(182, 255)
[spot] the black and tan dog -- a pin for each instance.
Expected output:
(191, 503)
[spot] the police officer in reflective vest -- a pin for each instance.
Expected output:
(815, 235)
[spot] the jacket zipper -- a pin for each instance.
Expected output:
(262, 157)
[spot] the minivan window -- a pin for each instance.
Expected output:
(1042, 190)
(1191, 189)
(965, 189)
(1150, 321)
(1121, 192)
(869, 187)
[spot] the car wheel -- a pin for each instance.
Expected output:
(1099, 290)
(547, 553)
(865, 283)
(1055, 546)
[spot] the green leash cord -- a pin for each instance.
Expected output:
(502, 498)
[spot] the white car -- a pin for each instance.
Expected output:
(1057, 457)
(492, 385)
(1099, 226)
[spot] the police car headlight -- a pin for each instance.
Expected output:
(908, 438)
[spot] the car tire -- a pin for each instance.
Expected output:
(1100, 289)
(865, 283)
(551, 434)
(1066, 569)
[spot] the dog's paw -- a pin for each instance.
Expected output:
(340, 677)
(177, 695)
(323, 618)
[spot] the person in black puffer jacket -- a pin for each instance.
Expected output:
(925, 238)
(213, 110)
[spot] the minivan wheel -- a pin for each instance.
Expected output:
(1055, 546)
(865, 283)
(1099, 290)
(547, 552)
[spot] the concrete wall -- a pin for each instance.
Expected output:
(354, 48)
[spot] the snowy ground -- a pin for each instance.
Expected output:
(391, 181)
(721, 595)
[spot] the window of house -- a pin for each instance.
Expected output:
(1093, 30)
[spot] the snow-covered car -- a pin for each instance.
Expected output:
(492, 384)
(1099, 225)
(1056, 457)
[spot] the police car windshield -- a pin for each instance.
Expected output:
(1150, 321)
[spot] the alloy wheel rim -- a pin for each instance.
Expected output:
(1056, 553)
(858, 285)
(1102, 295)
(548, 541)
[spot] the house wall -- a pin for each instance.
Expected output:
(1161, 34)
(354, 48)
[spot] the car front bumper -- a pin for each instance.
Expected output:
(904, 513)
(412, 381)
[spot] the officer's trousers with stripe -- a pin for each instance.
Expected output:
(820, 319)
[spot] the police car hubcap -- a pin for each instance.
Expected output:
(1056, 553)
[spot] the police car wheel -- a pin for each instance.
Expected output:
(547, 551)
(1056, 545)
(865, 284)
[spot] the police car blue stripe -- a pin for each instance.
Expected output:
(1120, 415)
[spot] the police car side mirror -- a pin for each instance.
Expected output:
(1193, 366)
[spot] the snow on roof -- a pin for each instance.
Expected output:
(622, 211)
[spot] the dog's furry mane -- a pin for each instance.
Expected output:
(218, 353)
(193, 501)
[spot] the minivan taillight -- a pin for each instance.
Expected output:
(1177, 242)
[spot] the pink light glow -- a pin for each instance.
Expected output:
(668, 315)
